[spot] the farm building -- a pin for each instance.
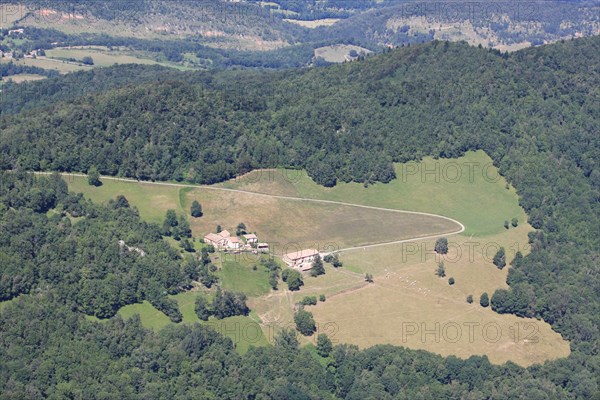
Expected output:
(302, 259)
(250, 238)
(234, 243)
(262, 247)
(217, 239)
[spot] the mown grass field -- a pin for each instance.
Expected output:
(337, 53)
(287, 225)
(102, 56)
(290, 225)
(24, 78)
(237, 273)
(62, 67)
(152, 201)
(406, 294)
(468, 189)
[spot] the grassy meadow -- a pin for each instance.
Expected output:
(468, 189)
(407, 304)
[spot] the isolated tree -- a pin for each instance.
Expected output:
(241, 229)
(93, 176)
(121, 202)
(317, 267)
(322, 298)
(500, 258)
(196, 209)
(451, 281)
(514, 222)
(369, 278)
(309, 301)
(219, 229)
(506, 224)
(441, 270)
(305, 323)
(202, 308)
(294, 280)
(87, 60)
(324, 345)
(441, 246)
(470, 299)
(484, 300)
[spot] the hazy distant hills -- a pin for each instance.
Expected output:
(287, 33)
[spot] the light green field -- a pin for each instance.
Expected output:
(62, 67)
(314, 23)
(286, 224)
(406, 292)
(476, 195)
(24, 78)
(152, 201)
(102, 56)
(338, 53)
(237, 274)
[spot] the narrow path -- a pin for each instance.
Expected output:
(273, 196)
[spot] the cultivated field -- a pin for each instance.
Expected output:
(102, 56)
(286, 224)
(407, 304)
(468, 189)
(314, 23)
(62, 67)
(338, 53)
(24, 78)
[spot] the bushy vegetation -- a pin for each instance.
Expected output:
(224, 304)
(293, 279)
(82, 261)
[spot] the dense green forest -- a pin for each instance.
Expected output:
(535, 112)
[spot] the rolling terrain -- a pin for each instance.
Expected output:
(388, 132)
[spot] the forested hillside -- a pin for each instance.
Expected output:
(56, 270)
(535, 112)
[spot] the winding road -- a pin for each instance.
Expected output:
(184, 185)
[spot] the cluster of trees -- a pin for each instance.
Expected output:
(274, 270)
(10, 68)
(305, 322)
(293, 279)
(82, 261)
(317, 267)
(334, 260)
(224, 304)
(176, 226)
